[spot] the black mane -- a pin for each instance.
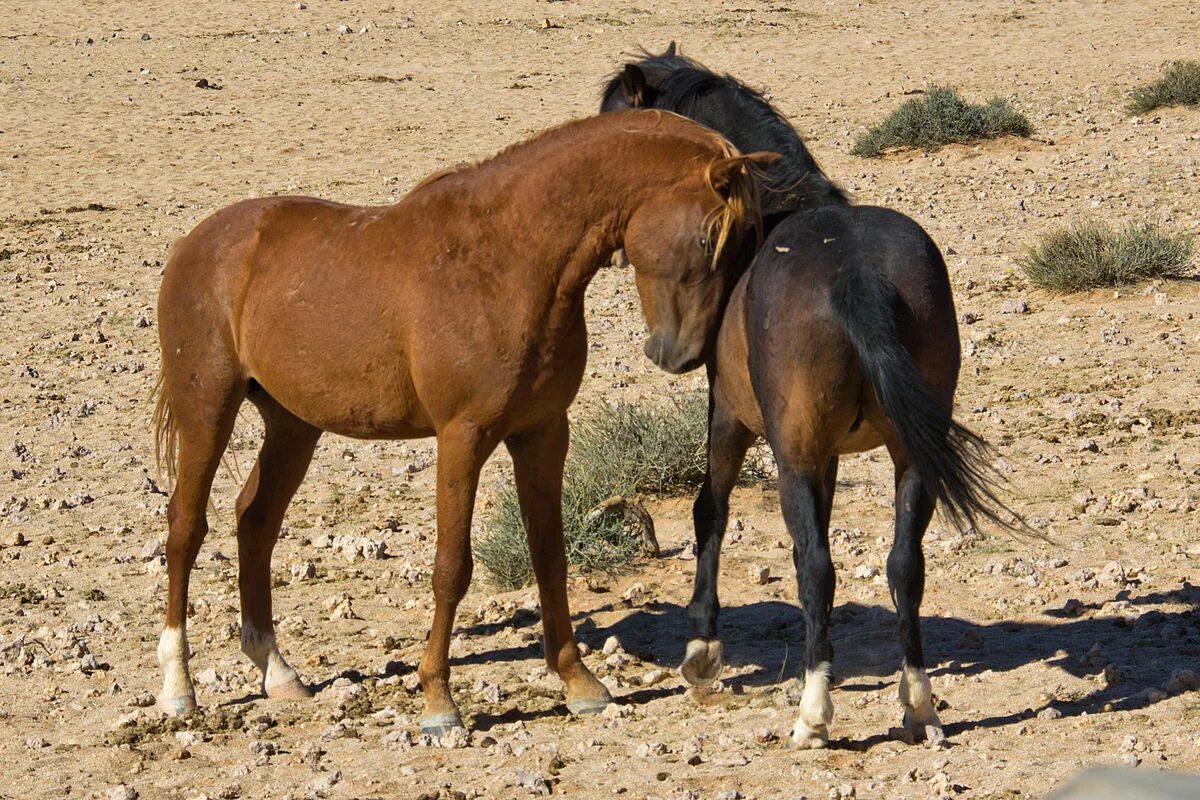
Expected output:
(743, 116)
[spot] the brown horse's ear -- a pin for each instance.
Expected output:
(670, 51)
(724, 169)
(633, 83)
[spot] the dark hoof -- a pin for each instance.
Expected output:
(440, 724)
(293, 689)
(702, 663)
(589, 705)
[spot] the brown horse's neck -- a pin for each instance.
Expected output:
(570, 193)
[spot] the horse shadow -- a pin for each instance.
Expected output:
(1126, 658)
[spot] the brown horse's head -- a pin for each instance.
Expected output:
(684, 245)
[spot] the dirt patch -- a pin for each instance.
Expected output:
(1044, 657)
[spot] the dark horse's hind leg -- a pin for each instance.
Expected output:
(728, 441)
(906, 579)
(286, 452)
(806, 498)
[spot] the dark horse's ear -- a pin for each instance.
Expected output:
(722, 171)
(637, 90)
(670, 51)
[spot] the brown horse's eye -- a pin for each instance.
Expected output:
(703, 242)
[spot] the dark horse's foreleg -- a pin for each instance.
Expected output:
(286, 452)
(728, 441)
(906, 580)
(462, 449)
(538, 458)
(806, 497)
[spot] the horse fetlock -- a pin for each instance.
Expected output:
(177, 696)
(279, 679)
(816, 710)
(921, 721)
(702, 662)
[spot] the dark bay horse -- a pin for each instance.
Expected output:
(455, 313)
(839, 338)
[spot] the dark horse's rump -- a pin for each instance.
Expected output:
(840, 337)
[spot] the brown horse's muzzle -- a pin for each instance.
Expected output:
(670, 356)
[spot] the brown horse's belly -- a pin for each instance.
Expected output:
(360, 406)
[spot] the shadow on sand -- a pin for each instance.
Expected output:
(768, 638)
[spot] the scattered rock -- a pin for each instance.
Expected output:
(866, 571)
(1111, 574)
(152, 549)
(1182, 680)
(303, 571)
(535, 782)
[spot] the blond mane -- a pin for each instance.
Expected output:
(741, 200)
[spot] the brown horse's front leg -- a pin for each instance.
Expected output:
(538, 458)
(462, 449)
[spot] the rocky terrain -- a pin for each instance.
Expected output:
(125, 123)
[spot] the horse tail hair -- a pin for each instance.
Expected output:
(954, 463)
(165, 435)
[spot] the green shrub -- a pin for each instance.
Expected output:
(1179, 86)
(625, 450)
(1092, 254)
(938, 118)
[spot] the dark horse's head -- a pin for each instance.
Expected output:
(673, 82)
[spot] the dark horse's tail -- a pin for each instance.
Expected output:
(953, 462)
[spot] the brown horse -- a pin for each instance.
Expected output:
(455, 313)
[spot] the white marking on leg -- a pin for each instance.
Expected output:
(177, 695)
(916, 695)
(262, 649)
(816, 709)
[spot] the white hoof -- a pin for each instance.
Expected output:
(816, 710)
(806, 738)
(177, 706)
(703, 661)
(921, 723)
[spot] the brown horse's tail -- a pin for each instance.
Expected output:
(165, 436)
(954, 463)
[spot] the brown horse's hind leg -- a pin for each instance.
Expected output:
(538, 466)
(906, 580)
(462, 449)
(286, 452)
(204, 425)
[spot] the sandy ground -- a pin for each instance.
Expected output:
(1047, 657)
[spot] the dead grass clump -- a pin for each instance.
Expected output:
(616, 450)
(1092, 254)
(941, 116)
